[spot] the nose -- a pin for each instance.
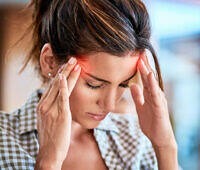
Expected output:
(107, 102)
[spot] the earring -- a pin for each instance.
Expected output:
(49, 74)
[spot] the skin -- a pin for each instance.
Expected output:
(124, 107)
(103, 99)
(63, 126)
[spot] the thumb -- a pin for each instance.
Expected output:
(137, 95)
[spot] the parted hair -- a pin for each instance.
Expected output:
(80, 27)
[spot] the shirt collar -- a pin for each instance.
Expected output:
(28, 116)
(107, 124)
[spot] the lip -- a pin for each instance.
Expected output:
(97, 117)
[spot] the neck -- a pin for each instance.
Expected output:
(78, 132)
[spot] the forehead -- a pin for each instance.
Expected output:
(110, 67)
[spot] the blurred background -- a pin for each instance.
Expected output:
(176, 37)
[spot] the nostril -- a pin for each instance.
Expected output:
(107, 103)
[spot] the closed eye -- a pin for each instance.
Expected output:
(124, 85)
(93, 87)
(97, 87)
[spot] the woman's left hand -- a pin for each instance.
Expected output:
(152, 108)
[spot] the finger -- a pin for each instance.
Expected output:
(69, 66)
(73, 78)
(144, 73)
(44, 95)
(46, 92)
(146, 62)
(137, 96)
(63, 99)
(155, 89)
(142, 67)
(50, 97)
(53, 92)
(145, 82)
(54, 81)
(148, 66)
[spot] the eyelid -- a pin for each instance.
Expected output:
(126, 85)
(93, 83)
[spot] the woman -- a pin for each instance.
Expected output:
(88, 51)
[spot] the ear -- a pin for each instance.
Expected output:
(47, 61)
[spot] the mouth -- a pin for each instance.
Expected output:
(97, 117)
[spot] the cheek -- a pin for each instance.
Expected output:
(81, 96)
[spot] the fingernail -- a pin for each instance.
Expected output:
(72, 60)
(77, 67)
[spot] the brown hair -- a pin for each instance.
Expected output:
(79, 27)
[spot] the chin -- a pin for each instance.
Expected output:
(86, 122)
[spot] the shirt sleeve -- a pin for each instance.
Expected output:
(13, 155)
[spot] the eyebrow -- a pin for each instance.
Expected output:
(106, 81)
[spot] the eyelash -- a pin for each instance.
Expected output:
(97, 87)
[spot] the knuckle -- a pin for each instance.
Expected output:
(51, 116)
(63, 99)
(62, 111)
(42, 109)
(145, 86)
(62, 118)
(156, 103)
(155, 96)
(63, 94)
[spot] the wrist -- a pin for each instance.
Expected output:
(44, 162)
(46, 166)
(167, 157)
(171, 146)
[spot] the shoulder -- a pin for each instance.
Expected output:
(9, 122)
(12, 153)
(18, 140)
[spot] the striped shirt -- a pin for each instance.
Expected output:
(121, 142)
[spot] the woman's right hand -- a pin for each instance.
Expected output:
(54, 118)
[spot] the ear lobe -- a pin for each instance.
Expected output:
(47, 61)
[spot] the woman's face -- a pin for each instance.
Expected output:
(100, 86)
